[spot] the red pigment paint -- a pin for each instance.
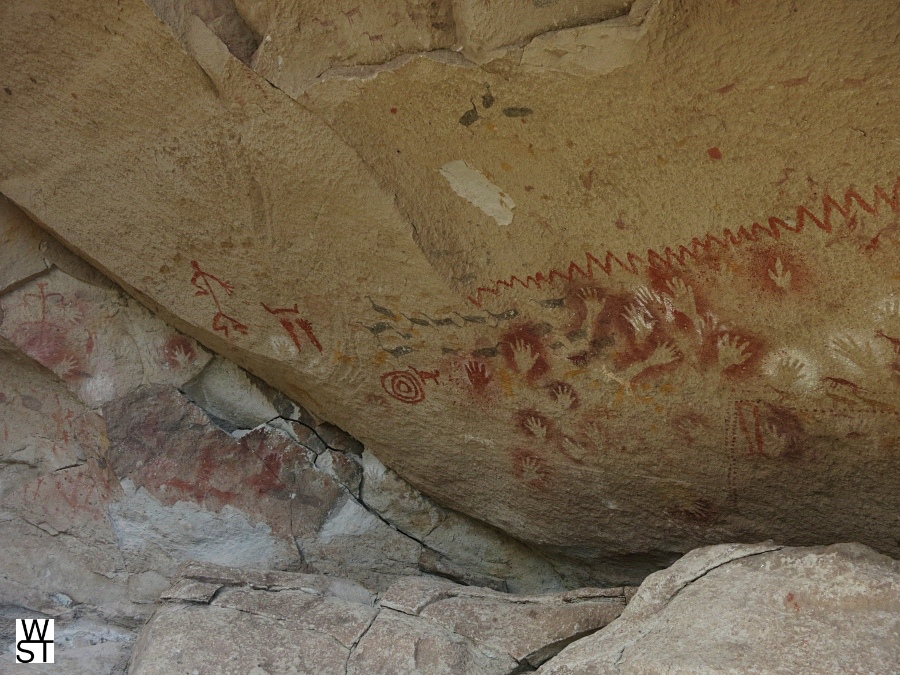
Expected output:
(478, 375)
(403, 385)
(203, 281)
(176, 349)
(752, 343)
(523, 416)
(631, 262)
(563, 389)
(714, 153)
(795, 82)
(527, 334)
(531, 469)
(762, 268)
(752, 418)
(290, 320)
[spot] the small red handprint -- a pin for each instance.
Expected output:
(477, 374)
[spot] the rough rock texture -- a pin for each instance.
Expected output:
(754, 609)
(225, 620)
(270, 498)
(457, 546)
(220, 16)
(222, 468)
(526, 629)
(231, 498)
(528, 296)
(66, 325)
(620, 290)
(305, 40)
(81, 648)
(302, 42)
(484, 27)
(111, 476)
(60, 557)
(254, 623)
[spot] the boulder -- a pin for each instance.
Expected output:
(206, 474)
(753, 608)
(60, 557)
(262, 498)
(192, 491)
(617, 288)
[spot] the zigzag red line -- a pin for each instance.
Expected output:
(633, 261)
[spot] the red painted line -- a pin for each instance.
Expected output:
(698, 245)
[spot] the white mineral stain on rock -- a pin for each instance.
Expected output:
(472, 186)
(186, 531)
(351, 520)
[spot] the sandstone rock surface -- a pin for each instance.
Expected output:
(527, 629)
(59, 557)
(264, 622)
(21, 246)
(221, 620)
(753, 609)
(67, 325)
(201, 460)
(126, 451)
(659, 309)
(60, 549)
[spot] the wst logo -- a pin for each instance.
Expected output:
(34, 640)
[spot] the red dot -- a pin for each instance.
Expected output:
(714, 153)
(394, 111)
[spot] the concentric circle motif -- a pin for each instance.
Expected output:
(403, 386)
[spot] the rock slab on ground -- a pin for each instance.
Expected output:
(226, 620)
(753, 609)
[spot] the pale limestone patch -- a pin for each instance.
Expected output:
(476, 189)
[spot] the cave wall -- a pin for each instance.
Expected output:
(619, 281)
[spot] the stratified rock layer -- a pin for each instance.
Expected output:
(727, 608)
(620, 290)
(226, 620)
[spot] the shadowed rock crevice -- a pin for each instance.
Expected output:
(220, 16)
